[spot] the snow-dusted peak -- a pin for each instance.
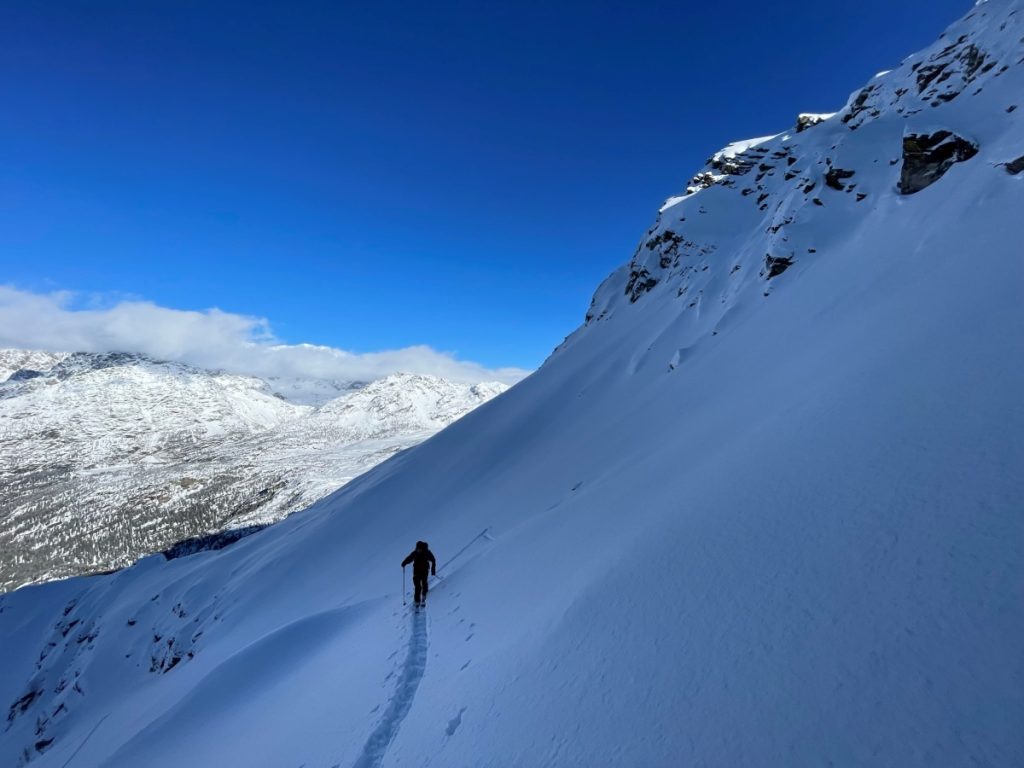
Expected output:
(97, 401)
(405, 402)
(780, 203)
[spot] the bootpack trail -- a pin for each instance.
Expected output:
(398, 706)
(412, 670)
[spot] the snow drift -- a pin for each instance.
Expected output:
(763, 508)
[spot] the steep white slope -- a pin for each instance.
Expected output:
(108, 457)
(777, 529)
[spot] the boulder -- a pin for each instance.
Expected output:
(927, 157)
(836, 176)
(807, 119)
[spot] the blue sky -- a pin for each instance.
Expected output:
(373, 176)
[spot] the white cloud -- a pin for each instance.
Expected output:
(210, 339)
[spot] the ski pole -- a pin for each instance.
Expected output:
(403, 585)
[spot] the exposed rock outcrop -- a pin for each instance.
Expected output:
(949, 71)
(836, 176)
(806, 120)
(927, 157)
(776, 265)
(640, 281)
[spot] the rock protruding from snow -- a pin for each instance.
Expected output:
(760, 206)
(807, 120)
(1015, 166)
(927, 157)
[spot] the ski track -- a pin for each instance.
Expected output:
(401, 700)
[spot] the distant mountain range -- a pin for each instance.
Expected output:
(107, 457)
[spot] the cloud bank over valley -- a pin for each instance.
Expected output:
(211, 338)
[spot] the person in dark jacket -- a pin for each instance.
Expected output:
(423, 565)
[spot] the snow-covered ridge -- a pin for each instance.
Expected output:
(717, 527)
(13, 360)
(107, 457)
(764, 205)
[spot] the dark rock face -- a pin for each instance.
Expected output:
(953, 63)
(776, 265)
(210, 541)
(25, 374)
(861, 104)
(640, 281)
(806, 120)
(927, 157)
(1015, 166)
(835, 176)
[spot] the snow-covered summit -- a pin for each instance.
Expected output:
(762, 509)
(406, 401)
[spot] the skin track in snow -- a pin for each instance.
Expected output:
(405, 691)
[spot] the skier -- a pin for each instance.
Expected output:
(423, 562)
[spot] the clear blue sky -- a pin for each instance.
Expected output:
(373, 175)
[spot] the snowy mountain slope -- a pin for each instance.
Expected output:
(108, 457)
(751, 530)
(13, 360)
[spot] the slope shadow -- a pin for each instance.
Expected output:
(251, 677)
(211, 541)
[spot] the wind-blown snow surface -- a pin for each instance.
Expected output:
(752, 530)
